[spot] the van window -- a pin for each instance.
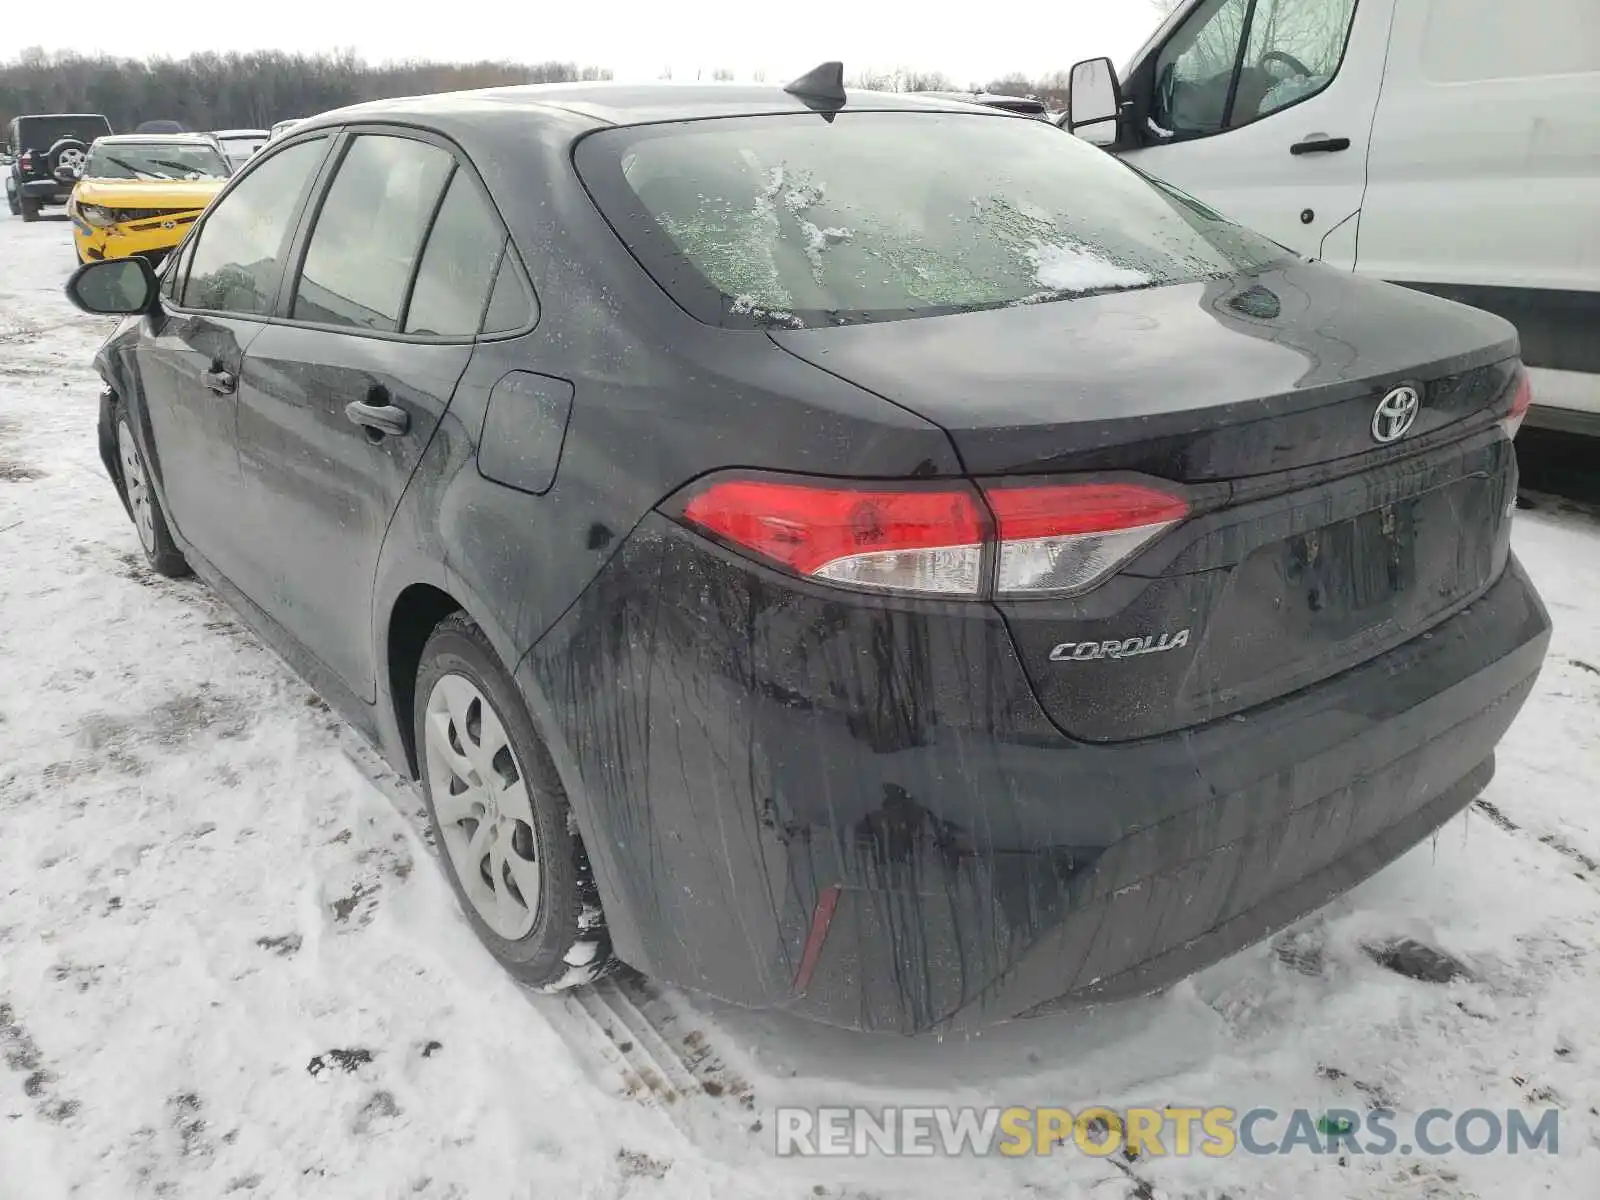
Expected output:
(1493, 39)
(1232, 62)
(1294, 49)
(1195, 69)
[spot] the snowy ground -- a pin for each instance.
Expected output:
(229, 963)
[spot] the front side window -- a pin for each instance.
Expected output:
(236, 262)
(177, 270)
(369, 233)
(791, 220)
(1235, 61)
(1195, 69)
(155, 160)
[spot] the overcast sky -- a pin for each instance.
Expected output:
(636, 38)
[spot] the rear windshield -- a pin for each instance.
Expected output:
(797, 221)
(40, 133)
(155, 160)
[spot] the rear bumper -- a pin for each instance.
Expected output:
(862, 816)
(48, 190)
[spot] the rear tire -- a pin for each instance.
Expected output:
(13, 204)
(501, 819)
(29, 206)
(155, 539)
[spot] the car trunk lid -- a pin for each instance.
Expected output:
(1314, 544)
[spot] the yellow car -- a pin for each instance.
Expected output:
(139, 193)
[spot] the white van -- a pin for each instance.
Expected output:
(1449, 145)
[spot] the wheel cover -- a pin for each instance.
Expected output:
(480, 798)
(70, 159)
(138, 486)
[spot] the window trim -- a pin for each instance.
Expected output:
(1146, 86)
(296, 219)
(460, 163)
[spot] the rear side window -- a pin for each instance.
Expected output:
(789, 220)
(511, 305)
(458, 265)
(235, 264)
(369, 233)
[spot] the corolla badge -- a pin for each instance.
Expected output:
(1150, 643)
(1395, 414)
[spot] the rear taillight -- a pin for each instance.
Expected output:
(1520, 403)
(1015, 539)
(26, 160)
(928, 541)
(1069, 537)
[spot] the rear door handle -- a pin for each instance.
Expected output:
(219, 381)
(383, 418)
(1317, 144)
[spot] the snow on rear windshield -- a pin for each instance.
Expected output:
(795, 221)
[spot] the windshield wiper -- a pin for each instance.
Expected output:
(186, 169)
(128, 166)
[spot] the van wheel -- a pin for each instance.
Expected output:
(155, 539)
(501, 819)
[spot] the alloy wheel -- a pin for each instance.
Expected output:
(138, 487)
(481, 802)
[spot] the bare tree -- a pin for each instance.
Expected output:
(219, 91)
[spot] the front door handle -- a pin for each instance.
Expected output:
(382, 418)
(1320, 144)
(219, 381)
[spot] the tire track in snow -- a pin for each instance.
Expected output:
(624, 1028)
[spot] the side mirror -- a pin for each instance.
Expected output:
(1094, 105)
(115, 287)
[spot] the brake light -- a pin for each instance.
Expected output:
(26, 160)
(928, 541)
(1520, 403)
(1050, 539)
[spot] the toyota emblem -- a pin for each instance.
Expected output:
(1395, 414)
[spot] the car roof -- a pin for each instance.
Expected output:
(624, 104)
(238, 133)
(994, 100)
(144, 139)
(61, 116)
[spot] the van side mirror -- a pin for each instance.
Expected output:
(1094, 110)
(115, 287)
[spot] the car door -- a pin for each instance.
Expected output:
(216, 299)
(340, 396)
(1262, 108)
(1484, 175)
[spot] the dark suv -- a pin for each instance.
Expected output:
(49, 149)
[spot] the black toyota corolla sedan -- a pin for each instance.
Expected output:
(877, 557)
